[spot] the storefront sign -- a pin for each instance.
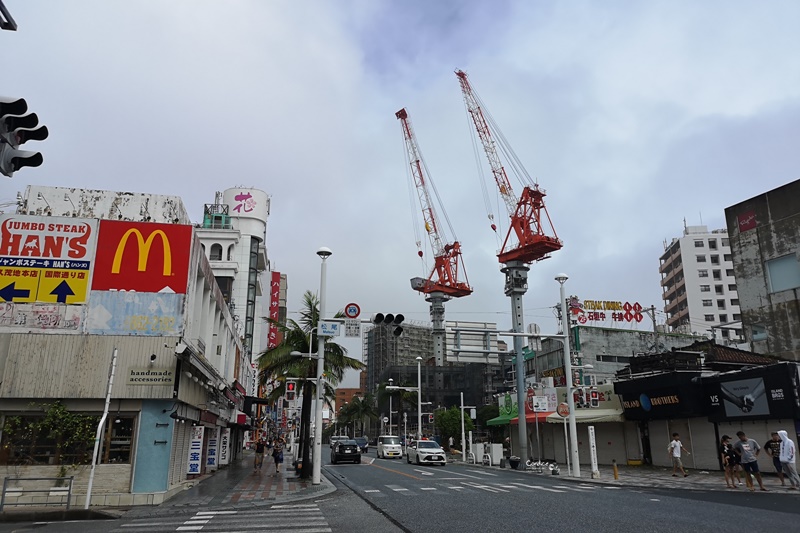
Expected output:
(766, 392)
(211, 450)
(274, 337)
(195, 450)
(604, 310)
(661, 397)
(151, 376)
(224, 446)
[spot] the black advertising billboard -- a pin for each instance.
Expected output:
(663, 396)
(768, 392)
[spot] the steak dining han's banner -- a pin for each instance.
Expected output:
(761, 393)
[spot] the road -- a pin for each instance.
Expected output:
(388, 496)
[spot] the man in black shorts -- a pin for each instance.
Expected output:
(773, 448)
(748, 450)
(259, 455)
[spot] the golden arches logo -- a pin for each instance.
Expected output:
(143, 246)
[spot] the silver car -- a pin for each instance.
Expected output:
(426, 452)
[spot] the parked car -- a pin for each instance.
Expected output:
(363, 444)
(426, 452)
(336, 438)
(345, 450)
(389, 446)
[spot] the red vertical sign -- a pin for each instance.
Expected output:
(274, 336)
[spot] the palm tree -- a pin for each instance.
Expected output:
(359, 409)
(278, 364)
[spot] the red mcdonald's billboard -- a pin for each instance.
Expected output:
(142, 257)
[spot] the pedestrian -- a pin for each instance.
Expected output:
(674, 450)
(260, 446)
(730, 462)
(277, 454)
(773, 447)
(787, 456)
(748, 450)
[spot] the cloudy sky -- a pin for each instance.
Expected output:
(635, 117)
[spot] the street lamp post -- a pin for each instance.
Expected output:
(573, 431)
(390, 407)
(419, 397)
(324, 253)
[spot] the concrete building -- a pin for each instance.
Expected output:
(699, 285)
(765, 242)
(98, 283)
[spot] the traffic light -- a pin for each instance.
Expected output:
(430, 418)
(17, 127)
(594, 398)
(580, 398)
(291, 390)
(390, 320)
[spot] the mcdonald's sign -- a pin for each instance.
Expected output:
(142, 257)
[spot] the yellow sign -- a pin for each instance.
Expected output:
(25, 285)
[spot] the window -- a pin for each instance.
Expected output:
(701, 259)
(705, 288)
(732, 287)
(717, 275)
(216, 252)
(702, 273)
(714, 259)
(726, 333)
(707, 303)
(759, 332)
(783, 273)
(727, 257)
(734, 301)
(726, 242)
(718, 289)
(712, 244)
(720, 304)
(736, 316)
(699, 244)
(723, 319)
(729, 272)
(709, 318)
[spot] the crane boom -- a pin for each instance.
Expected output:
(447, 256)
(533, 244)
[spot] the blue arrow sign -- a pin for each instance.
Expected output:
(61, 292)
(8, 293)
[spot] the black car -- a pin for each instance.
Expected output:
(363, 444)
(346, 450)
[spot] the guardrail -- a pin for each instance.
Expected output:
(53, 491)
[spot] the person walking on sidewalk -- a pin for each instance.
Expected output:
(748, 450)
(787, 456)
(674, 451)
(730, 462)
(259, 460)
(773, 447)
(277, 454)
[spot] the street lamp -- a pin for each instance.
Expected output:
(390, 407)
(573, 431)
(324, 253)
(419, 397)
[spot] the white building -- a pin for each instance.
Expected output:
(699, 285)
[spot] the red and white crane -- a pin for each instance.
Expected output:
(448, 265)
(529, 218)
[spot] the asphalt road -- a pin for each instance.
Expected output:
(467, 498)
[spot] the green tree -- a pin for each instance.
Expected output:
(486, 413)
(448, 422)
(278, 364)
(358, 410)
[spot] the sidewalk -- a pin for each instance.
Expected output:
(647, 476)
(237, 486)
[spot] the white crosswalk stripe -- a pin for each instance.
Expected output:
(277, 518)
(468, 485)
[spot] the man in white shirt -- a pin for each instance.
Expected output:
(674, 451)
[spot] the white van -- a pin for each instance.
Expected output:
(389, 446)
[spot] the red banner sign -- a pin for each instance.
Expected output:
(274, 336)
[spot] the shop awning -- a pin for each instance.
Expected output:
(531, 418)
(502, 420)
(584, 416)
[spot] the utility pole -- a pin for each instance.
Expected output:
(651, 312)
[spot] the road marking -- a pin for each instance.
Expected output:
(215, 512)
(654, 500)
(293, 506)
(462, 475)
(396, 472)
(456, 488)
(428, 488)
(483, 487)
(372, 490)
(423, 472)
(507, 486)
(483, 473)
(576, 489)
(612, 488)
(539, 488)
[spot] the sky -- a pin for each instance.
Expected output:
(635, 117)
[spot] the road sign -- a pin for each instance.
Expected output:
(563, 409)
(385, 419)
(539, 404)
(329, 329)
(352, 327)
(352, 310)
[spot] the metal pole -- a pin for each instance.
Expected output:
(100, 426)
(573, 431)
(566, 448)
(316, 474)
(390, 407)
(463, 448)
(419, 397)
(538, 441)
